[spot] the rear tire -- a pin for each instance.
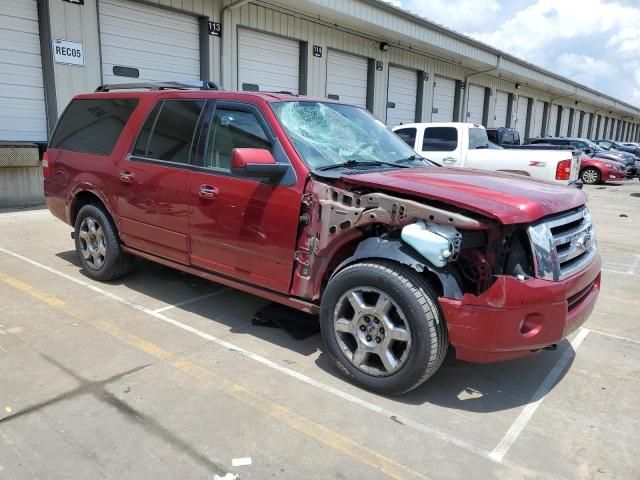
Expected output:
(98, 245)
(383, 327)
(590, 176)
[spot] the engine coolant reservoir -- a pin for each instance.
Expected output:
(432, 246)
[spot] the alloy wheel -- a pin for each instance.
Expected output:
(93, 246)
(372, 331)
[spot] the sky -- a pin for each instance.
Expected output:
(593, 42)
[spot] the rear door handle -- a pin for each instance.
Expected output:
(208, 192)
(126, 176)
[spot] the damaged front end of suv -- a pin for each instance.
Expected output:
(408, 259)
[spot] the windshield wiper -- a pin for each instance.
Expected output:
(355, 163)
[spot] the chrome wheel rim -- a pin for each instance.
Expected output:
(372, 331)
(93, 246)
(589, 176)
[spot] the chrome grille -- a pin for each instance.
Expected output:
(563, 245)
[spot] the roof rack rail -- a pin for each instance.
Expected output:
(182, 85)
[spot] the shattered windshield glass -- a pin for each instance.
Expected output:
(332, 134)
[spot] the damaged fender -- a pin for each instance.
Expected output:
(397, 251)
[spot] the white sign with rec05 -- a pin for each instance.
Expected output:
(67, 52)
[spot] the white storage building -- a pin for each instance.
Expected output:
(401, 67)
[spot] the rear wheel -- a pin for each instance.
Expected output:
(98, 245)
(382, 326)
(590, 175)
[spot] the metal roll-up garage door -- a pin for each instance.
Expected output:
(475, 104)
(521, 116)
(269, 62)
(162, 45)
(538, 119)
(402, 93)
(500, 110)
(553, 121)
(564, 122)
(585, 125)
(444, 95)
(22, 113)
(575, 124)
(347, 78)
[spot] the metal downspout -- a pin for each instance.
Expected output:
(225, 9)
(465, 99)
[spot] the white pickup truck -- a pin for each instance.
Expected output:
(466, 145)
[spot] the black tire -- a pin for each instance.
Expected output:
(418, 301)
(590, 176)
(116, 263)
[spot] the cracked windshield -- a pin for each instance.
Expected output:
(328, 135)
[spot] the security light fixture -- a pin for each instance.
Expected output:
(384, 46)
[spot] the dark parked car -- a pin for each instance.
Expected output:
(316, 205)
(620, 146)
(592, 150)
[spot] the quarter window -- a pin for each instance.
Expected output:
(408, 135)
(92, 126)
(231, 128)
(168, 132)
(440, 139)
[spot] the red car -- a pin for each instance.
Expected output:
(317, 205)
(597, 170)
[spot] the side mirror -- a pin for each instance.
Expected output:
(258, 163)
(588, 151)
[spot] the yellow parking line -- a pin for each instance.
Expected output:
(277, 411)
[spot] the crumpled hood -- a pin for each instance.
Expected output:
(505, 197)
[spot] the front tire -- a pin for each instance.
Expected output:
(98, 245)
(590, 176)
(383, 327)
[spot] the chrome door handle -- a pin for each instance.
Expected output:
(208, 192)
(126, 176)
(449, 160)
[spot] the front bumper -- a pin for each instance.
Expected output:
(515, 318)
(613, 174)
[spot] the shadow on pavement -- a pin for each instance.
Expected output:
(458, 385)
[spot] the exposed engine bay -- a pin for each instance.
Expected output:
(465, 251)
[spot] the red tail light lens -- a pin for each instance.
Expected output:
(46, 165)
(563, 170)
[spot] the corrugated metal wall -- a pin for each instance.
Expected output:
(71, 22)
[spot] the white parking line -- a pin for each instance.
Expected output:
(26, 213)
(191, 300)
(619, 272)
(634, 265)
(518, 425)
(613, 335)
(265, 361)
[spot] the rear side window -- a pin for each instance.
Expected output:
(168, 131)
(408, 135)
(478, 138)
(92, 126)
(231, 129)
(440, 139)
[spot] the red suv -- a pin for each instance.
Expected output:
(317, 205)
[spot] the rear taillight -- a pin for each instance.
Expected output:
(563, 170)
(46, 166)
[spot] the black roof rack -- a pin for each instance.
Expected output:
(183, 85)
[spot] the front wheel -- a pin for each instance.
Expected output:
(590, 176)
(98, 245)
(382, 326)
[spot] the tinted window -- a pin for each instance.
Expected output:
(579, 145)
(440, 139)
(233, 129)
(172, 125)
(478, 138)
(143, 137)
(408, 135)
(92, 126)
